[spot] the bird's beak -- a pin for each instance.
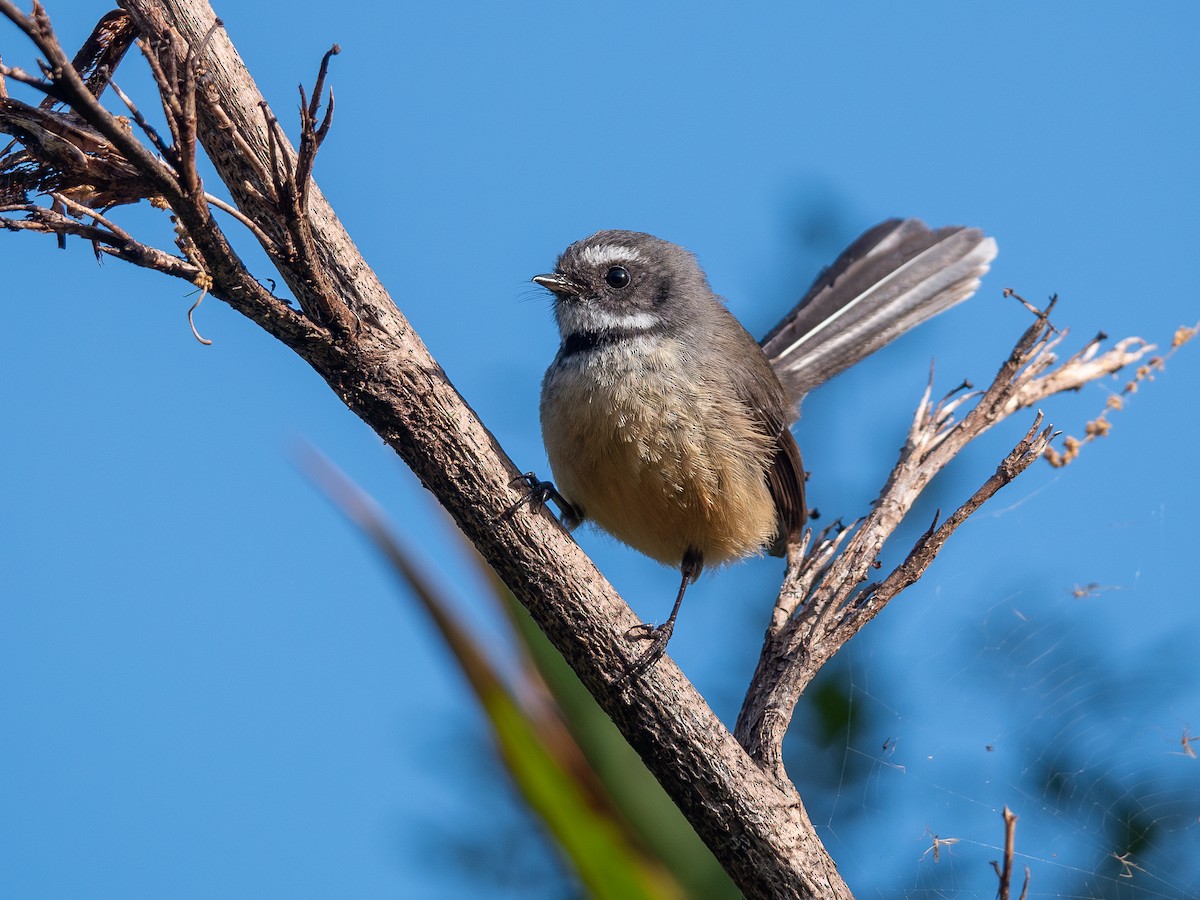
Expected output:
(558, 284)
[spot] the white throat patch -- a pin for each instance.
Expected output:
(576, 317)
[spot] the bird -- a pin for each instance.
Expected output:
(668, 425)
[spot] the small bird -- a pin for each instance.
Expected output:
(667, 424)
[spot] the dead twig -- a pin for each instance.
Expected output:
(192, 322)
(89, 160)
(1005, 873)
(828, 594)
(1088, 362)
(40, 220)
(289, 176)
(311, 136)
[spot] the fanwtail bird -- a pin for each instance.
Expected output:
(668, 426)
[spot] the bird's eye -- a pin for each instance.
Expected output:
(616, 277)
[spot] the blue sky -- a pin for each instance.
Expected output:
(212, 688)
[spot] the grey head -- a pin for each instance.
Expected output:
(625, 282)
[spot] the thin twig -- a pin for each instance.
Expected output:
(1005, 873)
(1028, 451)
(189, 175)
(192, 322)
(68, 87)
(80, 209)
(92, 143)
(241, 217)
(1009, 292)
(47, 221)
(166, 89)
(138, 118)
(312, 137)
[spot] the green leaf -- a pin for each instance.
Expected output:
(546, 765)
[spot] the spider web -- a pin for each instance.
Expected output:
(949, 718)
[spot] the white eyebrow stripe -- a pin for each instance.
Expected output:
(601, 254)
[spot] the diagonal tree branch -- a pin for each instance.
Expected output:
(757, 826)
(355, 338)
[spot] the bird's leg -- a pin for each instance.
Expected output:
(658, 635)
(539, 494)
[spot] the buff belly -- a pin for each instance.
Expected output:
(646, 452)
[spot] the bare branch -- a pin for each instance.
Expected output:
(63, 153)
(385, 375)
(80, 210)
(1030, 448)
(290, 179)
(1083, 368)
(92, 157)
(45, 221)
(356, 339)
(1005, 873)
(827, 596)
(311, 137)
(173, 109)
(146, 127)
(68, 87)
(102, 52)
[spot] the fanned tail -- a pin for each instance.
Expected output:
(893, 278)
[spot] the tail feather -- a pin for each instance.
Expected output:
(893, 278)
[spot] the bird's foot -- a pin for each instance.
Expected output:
(539, 494)
(657, 635)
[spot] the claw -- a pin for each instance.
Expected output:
(539, 494)
(658, 636)
(642, 632)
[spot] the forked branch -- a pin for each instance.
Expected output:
(827, 596)
(93, 157)
(355, 338)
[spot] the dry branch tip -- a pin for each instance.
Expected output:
(205, 283)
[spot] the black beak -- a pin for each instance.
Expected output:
(558, 284)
